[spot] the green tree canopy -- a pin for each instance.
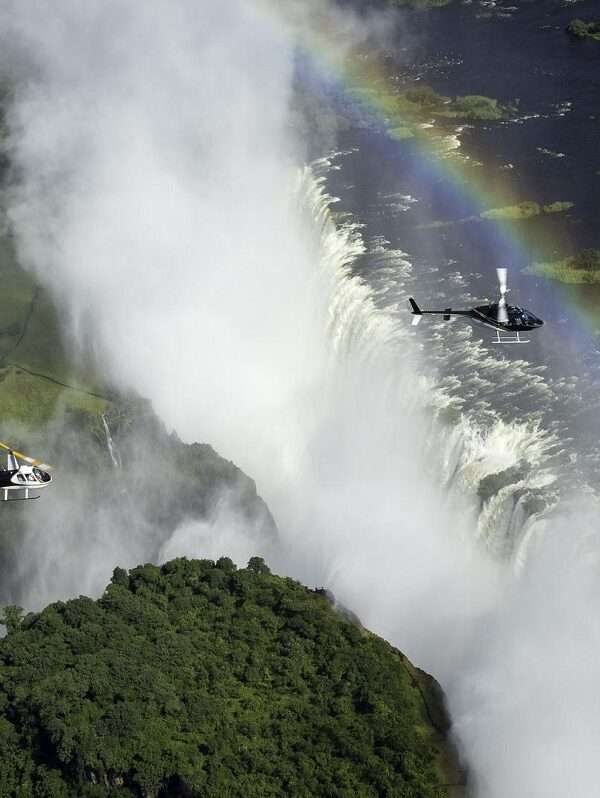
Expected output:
(199, 679)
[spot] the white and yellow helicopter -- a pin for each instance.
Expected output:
(18, 479)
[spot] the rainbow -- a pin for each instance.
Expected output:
(360, 82)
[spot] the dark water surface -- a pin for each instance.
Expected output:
(547, 152)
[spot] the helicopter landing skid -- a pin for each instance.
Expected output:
(511, 338)
(25, 498)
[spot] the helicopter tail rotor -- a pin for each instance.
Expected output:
(502, 315)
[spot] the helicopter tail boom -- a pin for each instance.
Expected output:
(418, 313)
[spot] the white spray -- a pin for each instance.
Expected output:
(159, 199)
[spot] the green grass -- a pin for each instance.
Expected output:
(16, 296)
(32, 400)
(37, 376)
(34, 338)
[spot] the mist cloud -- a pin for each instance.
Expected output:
(527, 703)
(158, 195)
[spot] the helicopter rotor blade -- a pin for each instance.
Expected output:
(502, 314)
(502, 280)
(31, 460)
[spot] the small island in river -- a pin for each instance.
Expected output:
(582, 268)
(525, 210)
(580, 29)
(410, 110)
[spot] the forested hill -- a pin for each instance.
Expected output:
(198, 679)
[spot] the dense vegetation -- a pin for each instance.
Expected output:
(197, 679)
(580, 29)
(581, 268)
(423, 100)
(525, 210)
(405, 112)
(475, 107)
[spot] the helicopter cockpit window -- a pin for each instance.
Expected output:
(20, 477)
(31, 478)
(528, 317)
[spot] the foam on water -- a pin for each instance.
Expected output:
(502, 449)
(517, 663)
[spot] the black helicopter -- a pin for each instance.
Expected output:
(18, 479)
(499, 316)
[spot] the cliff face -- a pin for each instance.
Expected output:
(174, 481)
(197, 679)
(123, 483)
(194, 679)
(123, 486)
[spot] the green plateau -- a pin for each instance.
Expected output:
(36, 375)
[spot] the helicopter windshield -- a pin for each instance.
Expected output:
(524, 316)
(42, 476)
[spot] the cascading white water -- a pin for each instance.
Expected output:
(115, 457)
(157, 202)
(519, 673)
(464, 455)
(361, 507)
(497, 440)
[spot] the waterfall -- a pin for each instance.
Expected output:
(505, 472)
(497, 592)
(115, 457)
